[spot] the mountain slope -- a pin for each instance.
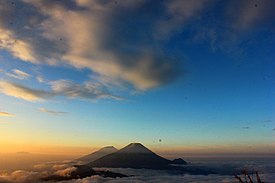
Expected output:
(134, 155)
(98, 154)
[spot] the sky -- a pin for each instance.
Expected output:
(178, 76)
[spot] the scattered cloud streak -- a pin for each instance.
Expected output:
(23, 92)
(87, 90)
(2, 113)
(18, 74)
(51, 111)
(64, 88)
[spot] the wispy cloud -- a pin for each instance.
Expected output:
(18, 74)
(267, 121)
(226, 32)
(2, 113)
(23, 92)
(40, 79)
(178, 13)
(246, 14)
(65, 88)
(51, 111)
(87, 90)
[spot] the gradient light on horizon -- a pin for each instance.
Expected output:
(198, 75)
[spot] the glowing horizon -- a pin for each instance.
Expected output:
(180, 77)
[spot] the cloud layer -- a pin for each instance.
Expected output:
(142, 176)
(265, 167)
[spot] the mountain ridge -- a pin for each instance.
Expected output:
(134, 155)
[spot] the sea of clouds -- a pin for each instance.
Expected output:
(265, 167)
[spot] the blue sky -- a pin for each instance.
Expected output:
(197, 75)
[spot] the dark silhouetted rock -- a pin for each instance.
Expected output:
(179, 161)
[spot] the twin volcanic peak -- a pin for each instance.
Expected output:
(134, 155)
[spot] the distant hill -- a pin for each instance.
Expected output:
(179, 161)
(134, 155)
(98, 154)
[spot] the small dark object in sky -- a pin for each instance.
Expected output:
(256, 5)
(12, 3)
(160, 140)
(60, 39)
(11, 23)
(115, 2)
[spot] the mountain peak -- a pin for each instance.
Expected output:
(135, 148)
(135, 144)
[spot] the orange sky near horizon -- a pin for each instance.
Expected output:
(162, 149)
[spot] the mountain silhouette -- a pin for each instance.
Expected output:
(134, 155)
(98, 154)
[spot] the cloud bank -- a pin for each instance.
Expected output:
(65, 168)
(21, 176)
